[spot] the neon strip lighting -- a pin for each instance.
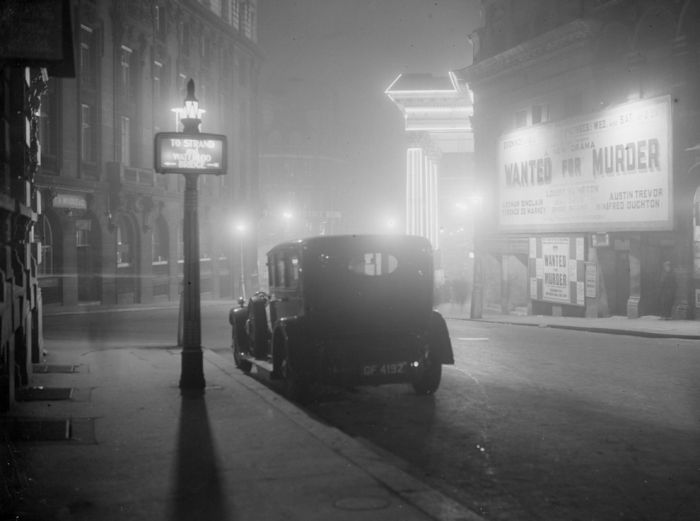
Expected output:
(438, 109)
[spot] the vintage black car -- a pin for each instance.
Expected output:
(345, 310)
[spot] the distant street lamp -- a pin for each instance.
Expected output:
(190, 153)
(287, 217)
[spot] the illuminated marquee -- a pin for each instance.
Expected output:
(609, 171)
(178, 153)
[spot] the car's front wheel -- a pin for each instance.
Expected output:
(238, 358)
(429, 379)
(296, 388)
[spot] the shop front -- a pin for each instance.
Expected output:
(594, 197)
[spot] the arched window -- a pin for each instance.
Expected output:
(44, 235)
(160, 240)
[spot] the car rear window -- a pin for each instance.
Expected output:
(373, 264)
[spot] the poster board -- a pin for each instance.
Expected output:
(557, 270)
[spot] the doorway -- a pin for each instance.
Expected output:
(87, 260)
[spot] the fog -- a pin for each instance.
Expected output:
(331, 61)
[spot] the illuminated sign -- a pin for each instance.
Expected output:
(557, 270)
(178, 153)
(69, 201)
(609, 171)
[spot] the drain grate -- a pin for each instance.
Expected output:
(73, 430)
(28, 394)
(33, 429)
(54, 368)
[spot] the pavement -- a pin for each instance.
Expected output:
(128, 444)
(650, 326)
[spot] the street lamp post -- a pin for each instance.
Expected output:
(192, 372)
(190, 153)
(241, 229)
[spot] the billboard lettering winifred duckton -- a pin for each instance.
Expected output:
(612, 168)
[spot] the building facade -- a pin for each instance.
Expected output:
(86, 84)
(32, 52)
(587, 121)
(440, 201)
(111, 228)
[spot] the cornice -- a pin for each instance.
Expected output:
(566, 37)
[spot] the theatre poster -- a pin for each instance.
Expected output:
(607, 171)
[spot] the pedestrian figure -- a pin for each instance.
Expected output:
(667, 290)
(460, 291)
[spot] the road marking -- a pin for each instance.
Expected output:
(473, 339)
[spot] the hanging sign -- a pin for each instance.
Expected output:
(179, 153)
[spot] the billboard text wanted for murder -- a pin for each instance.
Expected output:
(557, 270)
(176, 153)
(610, 171)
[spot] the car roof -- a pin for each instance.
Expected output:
(322, 241)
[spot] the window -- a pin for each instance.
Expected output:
(44, 236)
(82, 233)
(235, 14)
(82, 238)
(540, 114)
(88, 76)
(160, 242)
(87, 152)
(123, 245)
(203, 47)
(157, 94)
(156, 20)
(293, 267)
(157, 86)
(280, 279)
(248, 18)
(48, 121)
(125, 69)
(373, 264)
(125, 140)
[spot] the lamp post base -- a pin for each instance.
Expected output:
(192, 375)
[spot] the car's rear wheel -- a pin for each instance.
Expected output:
(430, 376)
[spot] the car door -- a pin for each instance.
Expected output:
(285, 284)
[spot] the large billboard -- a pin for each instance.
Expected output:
(610, 171)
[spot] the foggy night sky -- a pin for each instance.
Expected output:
(344, 54)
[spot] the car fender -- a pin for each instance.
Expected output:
(289, 333)
(439, 339)
(237, 317)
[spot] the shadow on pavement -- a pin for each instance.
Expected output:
(197, 489)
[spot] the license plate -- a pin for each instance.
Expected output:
(384, 369)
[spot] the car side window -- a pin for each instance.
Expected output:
(293, 266)
(280, 279)
(285, 269)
